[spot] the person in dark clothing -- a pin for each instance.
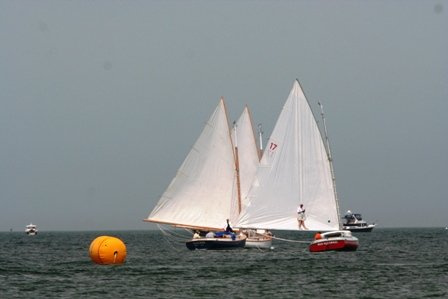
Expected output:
(228, 228)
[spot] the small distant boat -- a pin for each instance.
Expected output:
(31, 229)
(354, 223)
(336, 240)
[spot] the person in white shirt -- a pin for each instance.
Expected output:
(301, 217)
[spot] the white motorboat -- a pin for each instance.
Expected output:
(31, 229)
(354, 223)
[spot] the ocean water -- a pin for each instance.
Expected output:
(390, 263)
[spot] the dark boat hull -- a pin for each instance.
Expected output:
(215, 244)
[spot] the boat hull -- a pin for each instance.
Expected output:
(215, 244)
(261, 243)
(258, 238)
(361, 229)
(337, 244)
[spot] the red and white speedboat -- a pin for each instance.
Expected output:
(341, 240)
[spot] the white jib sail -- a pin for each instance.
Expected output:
(294, 169)
(247, 153)
(201, 193)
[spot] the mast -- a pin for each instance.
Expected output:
(237, 167)
(330, 159)
(260, 134)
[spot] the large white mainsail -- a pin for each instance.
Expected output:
(202, 192)
(295, 168)
(248, 158)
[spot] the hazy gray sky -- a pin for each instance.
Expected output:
(102, 100)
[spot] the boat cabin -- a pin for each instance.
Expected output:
(353, 218)
(336, 234)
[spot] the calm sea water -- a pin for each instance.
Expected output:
(390, 263)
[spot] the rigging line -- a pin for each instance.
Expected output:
(168, 233)
(175, 238)
(170, 243)
(169, 239)
(289, 240)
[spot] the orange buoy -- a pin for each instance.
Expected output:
(106, 250)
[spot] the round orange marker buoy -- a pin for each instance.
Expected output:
(106, 250)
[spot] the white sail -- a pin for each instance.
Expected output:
(248, 159)
(294, 169)
(204, 189)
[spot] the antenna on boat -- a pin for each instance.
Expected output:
(260, 135)
(327, 142)
(330, 159)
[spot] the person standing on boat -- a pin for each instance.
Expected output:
(301, 216)
(228, 228)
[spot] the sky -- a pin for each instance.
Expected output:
(100, 101)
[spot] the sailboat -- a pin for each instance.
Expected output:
(247, 160)
(203, 194)
(296, 168)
